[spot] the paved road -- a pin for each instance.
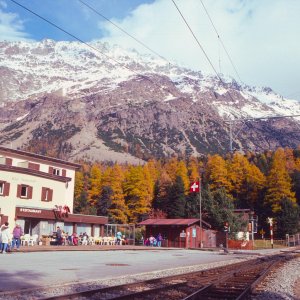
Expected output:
(36, 269)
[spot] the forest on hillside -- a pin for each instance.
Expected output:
(268, 183)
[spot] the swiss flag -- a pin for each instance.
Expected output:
(195, 187)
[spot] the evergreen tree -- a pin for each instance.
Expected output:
(82, 205)
(161, 192)
(192, 205)
(218, 209)
(176, 199)
(105, 202)
(287, 219)
(296, 184)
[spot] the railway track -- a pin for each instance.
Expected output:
(234, 281)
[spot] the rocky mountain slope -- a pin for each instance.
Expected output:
(65, 99)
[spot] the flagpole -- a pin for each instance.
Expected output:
(200, 204)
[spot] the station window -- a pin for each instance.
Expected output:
(46, 194)
(4, 188)
(24, 191)
(56, 171)
(1, 188)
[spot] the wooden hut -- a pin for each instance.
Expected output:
(180, 233)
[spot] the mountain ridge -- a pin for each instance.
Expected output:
(66, 95)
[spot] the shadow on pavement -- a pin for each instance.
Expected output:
(12, 281)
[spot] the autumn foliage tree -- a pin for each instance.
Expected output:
(279, 185)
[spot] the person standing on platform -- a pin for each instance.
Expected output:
(17, 233)
(119, 238)
(159, 239)
(4, 237)
(58, 236)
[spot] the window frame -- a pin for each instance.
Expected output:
(2, 187)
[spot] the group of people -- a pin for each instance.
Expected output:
(8, 242)
(154, 242)
(64, 238)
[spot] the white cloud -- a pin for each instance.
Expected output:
(261, 37)
(11, 27)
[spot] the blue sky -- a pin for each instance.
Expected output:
(262, 37)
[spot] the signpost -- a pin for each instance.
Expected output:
(270, 221)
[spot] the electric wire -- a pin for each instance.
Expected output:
(197, 41)
(88, 45)
(124, 31)
(204, 52)
(218, 35)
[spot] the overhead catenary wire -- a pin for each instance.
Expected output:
(124, 31)
(88, 45)
(219, 38)
(202, 49)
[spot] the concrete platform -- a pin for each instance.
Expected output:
(33, 269)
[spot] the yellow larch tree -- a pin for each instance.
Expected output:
(182, 171)
(114, 177)
(217, 174)
(278, 182)
(94, 184)
(137, 194)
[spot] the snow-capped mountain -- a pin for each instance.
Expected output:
(105, 102)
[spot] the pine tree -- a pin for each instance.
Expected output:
(105, 202)
(287, 219)
(176, 199)
(218, 209)
(161, 191)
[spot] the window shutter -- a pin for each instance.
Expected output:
(6, 189)
(19, 190)
(34, 166)
(29, 192)
(43, 196)
(64, 172)
(50, 194)
(8, 161)
(50, 170)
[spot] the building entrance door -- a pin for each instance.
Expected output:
(30, 226)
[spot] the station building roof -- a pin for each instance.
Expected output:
(169, 222)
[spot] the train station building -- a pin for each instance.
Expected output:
(181, 233)
(37, 192)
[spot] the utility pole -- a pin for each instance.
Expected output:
(200, 212)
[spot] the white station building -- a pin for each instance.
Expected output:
(36, 191)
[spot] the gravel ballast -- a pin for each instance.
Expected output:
(281, 284)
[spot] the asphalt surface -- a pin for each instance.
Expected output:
(37, 269)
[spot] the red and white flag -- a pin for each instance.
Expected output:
(195, 187)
